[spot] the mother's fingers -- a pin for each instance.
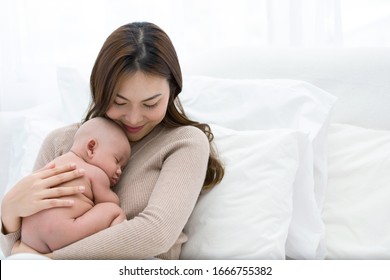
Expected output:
(57, 179)
(51, 170)
(62, 191)
(49, 165)
(52, 203)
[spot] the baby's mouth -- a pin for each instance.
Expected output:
(114, 181)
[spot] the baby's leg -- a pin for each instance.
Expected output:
(36, 228)
(101, 216)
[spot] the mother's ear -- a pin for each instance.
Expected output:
(91, 147)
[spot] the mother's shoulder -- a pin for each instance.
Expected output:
(63, 134)
(186, 132)
(184, 138)
(67, 129)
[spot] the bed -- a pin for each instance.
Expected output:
(305, 138)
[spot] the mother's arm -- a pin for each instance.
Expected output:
(34, 193)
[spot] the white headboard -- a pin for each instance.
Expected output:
(360, 78)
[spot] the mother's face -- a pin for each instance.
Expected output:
(140, 104)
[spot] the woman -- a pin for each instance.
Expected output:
(135, 82)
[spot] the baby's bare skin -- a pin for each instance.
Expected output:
(59, 227)
(102, 156)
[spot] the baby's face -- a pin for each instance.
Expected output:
(114, 158)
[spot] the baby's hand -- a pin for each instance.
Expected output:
(119, 219)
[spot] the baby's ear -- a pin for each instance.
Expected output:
(91, 147)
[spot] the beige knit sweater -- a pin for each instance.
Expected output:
(158, 191)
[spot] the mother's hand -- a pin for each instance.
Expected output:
(35, 193)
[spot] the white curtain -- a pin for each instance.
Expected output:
(305, 23)
(38, 36)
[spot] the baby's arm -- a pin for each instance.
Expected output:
(106, 199)
(101, 189)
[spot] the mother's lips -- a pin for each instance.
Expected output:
(133, 129)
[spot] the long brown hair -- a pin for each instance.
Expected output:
(143, 46)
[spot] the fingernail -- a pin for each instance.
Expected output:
(81, 171)
(82, 188)
(73, 165)
(70, 202)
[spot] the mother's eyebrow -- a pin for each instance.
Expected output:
(153, 97)
(147, 99)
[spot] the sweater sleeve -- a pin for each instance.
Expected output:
(7, 241)
(53, 145)
(155, 229)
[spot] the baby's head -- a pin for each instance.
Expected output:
(103, 143)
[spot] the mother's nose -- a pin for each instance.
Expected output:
(133, 117)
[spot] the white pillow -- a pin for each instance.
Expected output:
(246, 216)
(357, 205)
(75, 94)
(244, 104)
(24, 132)
(306, 237)
(249, 104)
(11, 123)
